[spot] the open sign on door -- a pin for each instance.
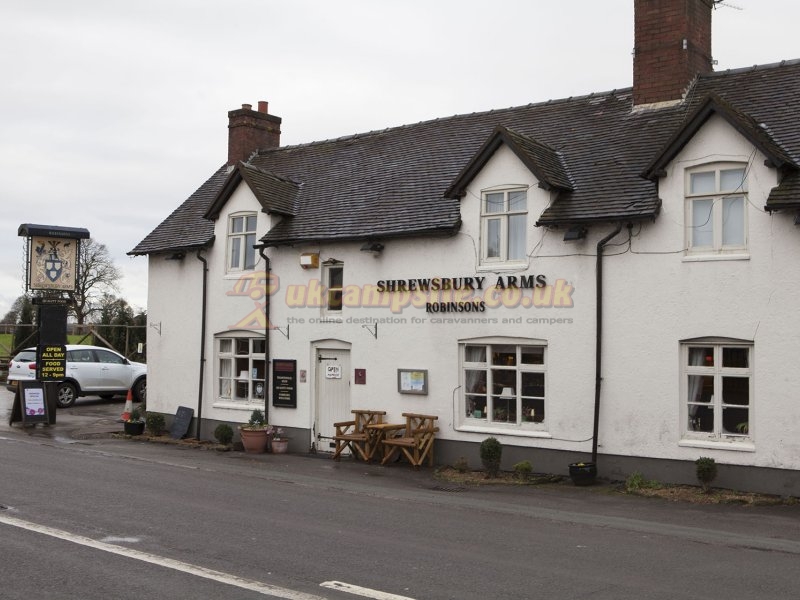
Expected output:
(333, 371)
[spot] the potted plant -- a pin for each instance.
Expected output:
(280, 443)
(583, 473)
(135, 424)
(254, 434)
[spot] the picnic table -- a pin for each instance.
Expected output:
(354, 434)
(414, 439)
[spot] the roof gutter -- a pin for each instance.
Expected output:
(599, 337)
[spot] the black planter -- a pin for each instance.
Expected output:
(583, 473)
(134, 427)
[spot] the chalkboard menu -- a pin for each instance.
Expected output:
(284, 383)
(180, 425)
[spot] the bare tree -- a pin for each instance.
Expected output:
(98, 276)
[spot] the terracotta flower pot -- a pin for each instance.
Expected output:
(280, 446)
(254, 440)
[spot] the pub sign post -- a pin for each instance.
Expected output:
(53, 269)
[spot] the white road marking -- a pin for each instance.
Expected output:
(161, 561)
(361, 591)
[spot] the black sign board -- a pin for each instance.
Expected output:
(284, 383)
(30, 404)
(51, 362)
(183, 418)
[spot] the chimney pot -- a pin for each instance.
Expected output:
(247, 106)
(263, 106)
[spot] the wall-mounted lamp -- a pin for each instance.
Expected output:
(577, 232)
(374, 248)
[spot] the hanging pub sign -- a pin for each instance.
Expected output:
(53, 254)
(284, 383)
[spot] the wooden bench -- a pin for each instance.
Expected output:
(354, 434)
(415, 440)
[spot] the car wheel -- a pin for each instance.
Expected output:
(66, 395)
(140, 390)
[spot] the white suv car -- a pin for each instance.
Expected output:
(91, 370)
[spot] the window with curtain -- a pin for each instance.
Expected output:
(504, 218)
(241, 369)
(718, 384)
(716, 209)
(504, 384)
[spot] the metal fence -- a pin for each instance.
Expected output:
(25, 336)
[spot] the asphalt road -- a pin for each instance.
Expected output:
(99, 518)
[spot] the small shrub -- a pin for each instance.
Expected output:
(155, 423)
(461, 465)
(223, 433)
(636, 482)
(491, 454)
(257, 419)
(706, 470)
(523, 469)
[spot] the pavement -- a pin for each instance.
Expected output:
(89, 418)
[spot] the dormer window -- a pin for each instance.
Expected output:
(504, 218)
(241, 238)
(716, 210)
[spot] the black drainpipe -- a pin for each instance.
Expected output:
(202, 346)
(599, 338)
(261, 252)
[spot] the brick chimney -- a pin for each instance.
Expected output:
(672, 45)
(250, 130)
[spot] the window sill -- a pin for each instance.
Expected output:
(239, 274)
(528, 433)
(713, 257)
(329, 319)
(735, 445)
(243, 405)
(495, 267)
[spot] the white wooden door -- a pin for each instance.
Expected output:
(332, 394)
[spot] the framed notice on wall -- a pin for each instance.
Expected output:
(284, 383)
(412, 381)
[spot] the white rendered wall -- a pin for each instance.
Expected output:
(653, 298)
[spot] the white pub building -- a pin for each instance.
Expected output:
(611, 276)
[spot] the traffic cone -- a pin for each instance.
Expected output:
(128, 407)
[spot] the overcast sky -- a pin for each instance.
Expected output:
(112, 112)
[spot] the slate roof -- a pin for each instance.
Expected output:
(593, 150)
(544, 162)
(275, 195)
(185, 228)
